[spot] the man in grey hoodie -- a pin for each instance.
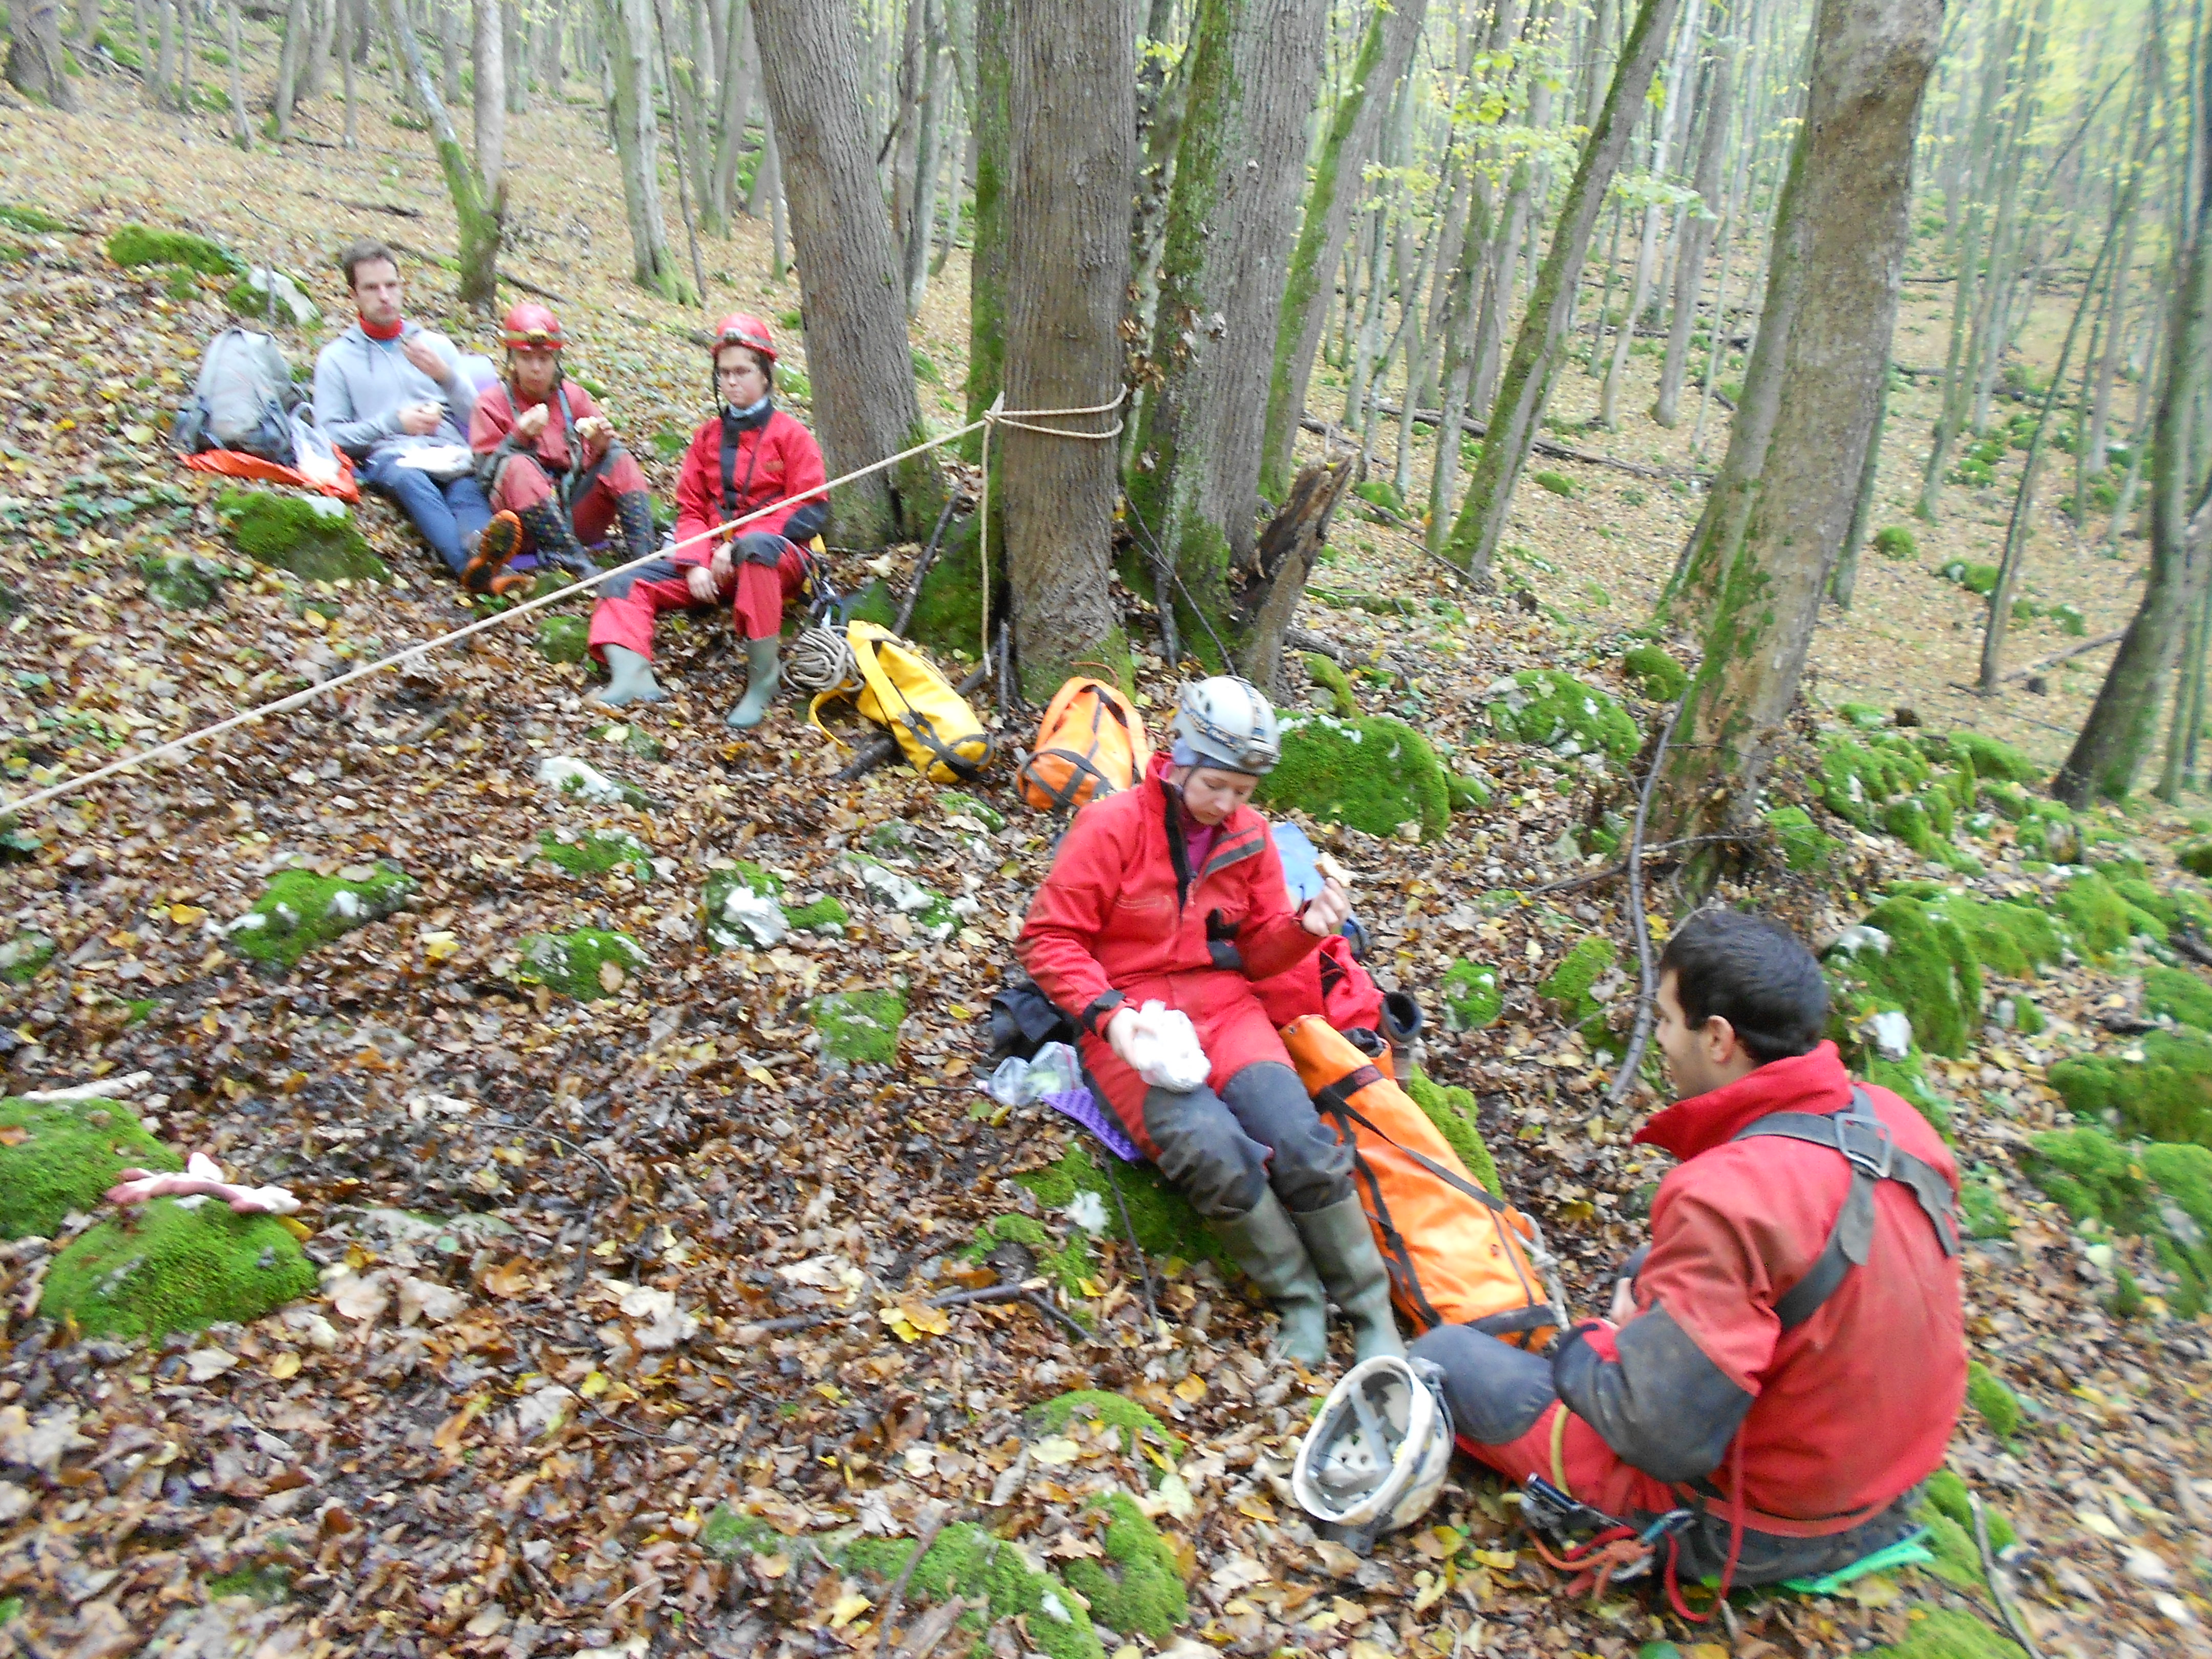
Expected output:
(392, 395)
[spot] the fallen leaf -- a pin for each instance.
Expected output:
(1191, 1389)
(285, 1366)
(1336, 1559)
(846, 1608)
(611, 976)
(1054, 1450)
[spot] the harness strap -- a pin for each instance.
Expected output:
(1865, 1141)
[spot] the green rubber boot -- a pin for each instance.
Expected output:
(763, 673)
(1265, 1243)
(629, 679)
(1342, 1246)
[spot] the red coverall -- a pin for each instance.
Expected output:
(1117, 921)
(523, 480)
(1849, 1409)
(770, 459)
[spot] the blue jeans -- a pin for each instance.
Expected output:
(450, 515)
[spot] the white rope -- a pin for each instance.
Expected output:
(821, 660)
(297, 699)
(997, 415)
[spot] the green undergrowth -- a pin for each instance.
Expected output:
(141, 245)
(1067, 1265)
(1373, 773)
(57, 1156)
(162, 1267)
(33, 221)
(965, 1560)
(1567, 988)
(1162, 1219)
(1557, 712)
(1998, 1406)
(1656, 674)
(22, 958)
(310, 536)
(2180, 995)
(2165, 1095)
(587, 964)
(858, 1027)
(1942, 1633)
(1471, 995)
(597, 853)
(1804, 846)
(1137, 1589)
(301, 910)
(2160, 1192)
(563, 639)
(1453, 1111)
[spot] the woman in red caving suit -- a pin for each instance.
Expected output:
(749, 455)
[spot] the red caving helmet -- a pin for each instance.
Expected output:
(743, 328)
(532, 325)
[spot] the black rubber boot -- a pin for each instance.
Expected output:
(633, 511)
(553, 538)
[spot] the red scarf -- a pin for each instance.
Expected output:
(376, 332)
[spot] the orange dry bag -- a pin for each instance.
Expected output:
(1090, 743)
(1457, 1255)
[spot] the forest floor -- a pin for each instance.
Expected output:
(524, 1428)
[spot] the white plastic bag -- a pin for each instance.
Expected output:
(1163, 1046)
(1053, 1071)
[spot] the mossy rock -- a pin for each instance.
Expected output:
(163, 1267)
(2009, 939)
(1977, 579)
(35, 221)
(722, 931)
(1557, 482)
(1331, 678)
(587, 964)
(1907, 820)
(1466, 792)
(268, 297)
(1992, 756)
(1374, 773)
(1657, 674)
(1803, 845)
(310, 536)
(1471, 997)
(267, 1583)
(826, 915)
(22, 958)
(182, 581)
(141, 245)
(57, 1156)
(874, 604)
(563, 639)
(1998, 1406)
(1556, 711)
(2100, 920)
(301, 910)
(2179, 995)
(599, 852)
(1137, 1589)
(2196, 857)
(1907, 954)
(1856, 777)
(954, 803)
(1894, 541)
(2166, 1095)
(1453, 1112)
(1982, 1211)
(858, 1027)
(1908, 1079)
(967, 1561)
(1162, 1217)
(1115, 1410)
(1567, 987)
(1067, 1265)
(1944, 1492)
(2159, 1191)
(1941, 1633)
(726, 1532)
(2168, 909)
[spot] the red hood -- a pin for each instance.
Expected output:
(1815, 1082)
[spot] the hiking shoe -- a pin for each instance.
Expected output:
(554, 539)
(498, 542)
(517, 582)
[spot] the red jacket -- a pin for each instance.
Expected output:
(1843, 1414)
(494, 420)
(1119, 908)
(768, 460)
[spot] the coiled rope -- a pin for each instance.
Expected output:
(994, 416)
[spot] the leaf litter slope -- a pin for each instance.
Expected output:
(504, 1430)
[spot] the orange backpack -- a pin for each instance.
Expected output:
(1090, 743)
(1457, 1255)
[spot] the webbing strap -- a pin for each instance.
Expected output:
(1865, 1141)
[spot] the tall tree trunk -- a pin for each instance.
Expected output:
(450, 52)
(927, 118)
(904, 126)
(188, 34)
(322, 22)
(241, 124)
(514, 56)
(768, 185)
(1697, 238)
(349, 66)
(628, 27)
(1072, 114)
(986, 265)
(737, 89)
(1384, 51)
(690, 143)
(489, 53)
(1840, 237)
(864, 404)
(1254, 68)
(146, 70)
(1844, 584)
(1526, 383)
(289, 58)
(480, 212)
(35, 66)
(160, 88)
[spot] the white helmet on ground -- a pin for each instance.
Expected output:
(1375, 1455)
(1225, 722)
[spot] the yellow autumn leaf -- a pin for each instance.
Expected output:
(1191, 1389)
(771, 1566)
(1054, 1450)
(1873, 1591)
(1500, 1559)
(1426, 1595)
(846, 1608)
(187, 915)
(593, 1385)
(761, 1074)
(439, 946)
(285, 1367)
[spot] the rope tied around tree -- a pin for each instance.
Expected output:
(1021, 420)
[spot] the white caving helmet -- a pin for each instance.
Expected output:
(1375, 1455)
(1225, 722)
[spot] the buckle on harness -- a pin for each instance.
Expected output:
(1866, 1141)
(1559, 1512)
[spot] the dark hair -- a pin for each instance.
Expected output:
(1753, 973)
(761, 360)
(365, 252)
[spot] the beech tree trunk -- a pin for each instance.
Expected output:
(928, 117)
(865, 405)
(629, 31)
(241, 124)
(737, 100)
(488, 52)
(1537, 351)
(1384, 52)
(1697, 238)
(480, 212)
(35, 65)
(288, 59)
(1254, 68)
(1837, 267)
(1073, 112)
(986, 266)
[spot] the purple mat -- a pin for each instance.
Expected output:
(1084, 1108)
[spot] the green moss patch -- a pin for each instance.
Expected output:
(1466, 792)
(858, 1027)
(267, 1583)
(598, 853)
(954, 803)
(1940, 1633)
(587, 964)
(1858, 777)
(1803, 845)
(1115, 1410)
(1374, 773)
(310, 536)
(1162, 1217)
(1654, 673)
(1557, 483)
(1945, 1494)
(181, 581)
(826, 915)
(1068, 1265)
(1992, 756)
(563, 639)
(1909, 955)
(1908, 1079)
(2165, 1096)
(1137, 1590)
(22, 956)
(163, 1267)
(1894, 542)
(1979, 579)
(1998, 1406)
(57, 1156)
(1453, 1111)
(1567, 987)
(1471, 997)
(1556, 711)
(2179, 995)
(967, 1561)
(2159, 1192)
(2100, 920)
(35, 221)
(141, 245)
(301, 910)
(1331, 678)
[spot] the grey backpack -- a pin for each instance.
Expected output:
(243, 399)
